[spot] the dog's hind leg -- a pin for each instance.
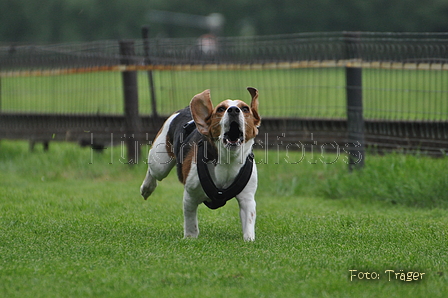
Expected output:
(160, 160)
(148, 185)
(160, 163)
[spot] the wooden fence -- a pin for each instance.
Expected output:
(350, 129)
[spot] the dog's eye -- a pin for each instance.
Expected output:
(221, 109)
(245, 109)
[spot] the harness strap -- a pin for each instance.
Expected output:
(188, 128)
(219, 196)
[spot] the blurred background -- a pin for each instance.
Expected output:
(64, 67)
(88, 20)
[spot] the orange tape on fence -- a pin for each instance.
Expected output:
(224, 67)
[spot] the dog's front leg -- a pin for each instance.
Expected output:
(246, 201)
(248, 215)
(191, 228)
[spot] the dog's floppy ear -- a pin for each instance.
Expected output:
(201, 109)
(254, 105)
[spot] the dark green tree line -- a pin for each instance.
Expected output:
(84, 20)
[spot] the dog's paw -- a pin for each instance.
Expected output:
(190, 236)
(249, 238)
(147, 188)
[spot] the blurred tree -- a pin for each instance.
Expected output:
(84, 20)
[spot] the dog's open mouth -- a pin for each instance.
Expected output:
(234, 136)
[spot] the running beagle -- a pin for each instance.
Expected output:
(212, 149)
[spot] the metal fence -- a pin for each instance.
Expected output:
(62, 91)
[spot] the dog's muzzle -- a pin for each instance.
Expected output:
(234, 136)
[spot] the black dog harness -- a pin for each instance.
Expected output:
(219, 196)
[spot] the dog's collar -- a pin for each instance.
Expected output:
(219, 196)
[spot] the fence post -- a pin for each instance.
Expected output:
(130, 91)
(145, 35)
(355, 120)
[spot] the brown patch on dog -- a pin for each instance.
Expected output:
(169, 147)
(186, 165)
(158, 133)
(215, 126)
(201, 109)
(168, 143)
(254, 115)
(254, 105)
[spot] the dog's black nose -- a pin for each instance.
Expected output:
(233, 110)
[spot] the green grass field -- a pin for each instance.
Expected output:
(73, 224)
(314, 92)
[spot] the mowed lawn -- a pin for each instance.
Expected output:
(73, 224)
(313, 92)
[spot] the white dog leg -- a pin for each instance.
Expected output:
(191, 228)
(158, 169)
(160, 160)
(248, 215)
(148, 185)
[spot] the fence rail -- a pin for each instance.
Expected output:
(331, 46)
(226, 67)
(61, 91)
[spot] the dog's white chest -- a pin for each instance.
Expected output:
(223, 174)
